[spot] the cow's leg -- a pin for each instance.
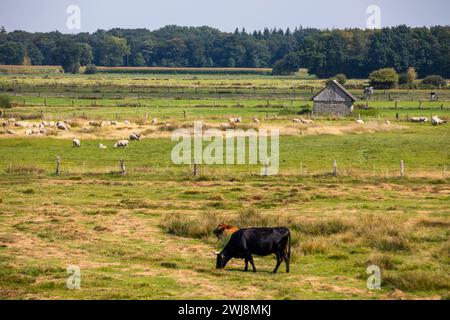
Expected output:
(250, 258)
(279, 260)
(246, 265)
(287, 261)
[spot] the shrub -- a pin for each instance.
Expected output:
(341, 78)
(5, 102)
(434, 81)
(408, 77)
(384, 78)
(90, 69)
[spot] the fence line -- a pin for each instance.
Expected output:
(68, 165)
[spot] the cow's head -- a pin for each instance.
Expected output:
(220, 260)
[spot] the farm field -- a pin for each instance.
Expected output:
(148, 235)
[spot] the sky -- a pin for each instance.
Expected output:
(226, 15)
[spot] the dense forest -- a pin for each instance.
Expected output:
(325, 53)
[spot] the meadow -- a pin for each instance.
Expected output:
(148, 235)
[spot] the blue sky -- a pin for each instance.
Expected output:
(226, 15)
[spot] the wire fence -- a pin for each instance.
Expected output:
(123, 166)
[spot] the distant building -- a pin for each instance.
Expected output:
(334, 99)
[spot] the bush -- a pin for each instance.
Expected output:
(434, 81)
(90, 69)
(341, 78)
(5, 102)
(384, 78)
(408, 77)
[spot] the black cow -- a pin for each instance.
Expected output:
(259, 241)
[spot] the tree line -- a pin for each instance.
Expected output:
(325, 53)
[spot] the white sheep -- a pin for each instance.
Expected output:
(436, 121)
(256, 120)
(359, 121)
(62, 126)
(235, 120)
(102, 146)
(135, 137)
(121, 144)
(76, 143)
(296, 120)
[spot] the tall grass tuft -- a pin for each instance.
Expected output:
(417, 280)
(184, 226)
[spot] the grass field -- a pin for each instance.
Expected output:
(148, 235)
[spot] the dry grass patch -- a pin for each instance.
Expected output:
(417, 280)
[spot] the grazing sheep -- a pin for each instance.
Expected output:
(42, 131)
(126, 122)
(359, 121)
(102, 146)
(11, 120)
(155, 121)
(95, 123)
(135, 137)
(436, 121)
(419, 119)
(296, 120)
(62, 126)
(28, 132)
(44, 123)
(21, 124)
(225, 126)
(76, 143)
(114, 123)
(121, 144)
(256, 120)
(51, 124)
(306, 121)
(387, 122)
(235, 120)
(10, 131)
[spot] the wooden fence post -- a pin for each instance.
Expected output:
(58, 163)
(335, 168)
(195, 170)
(402, 168)
(122, 168)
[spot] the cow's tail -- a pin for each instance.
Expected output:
(289, 245)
